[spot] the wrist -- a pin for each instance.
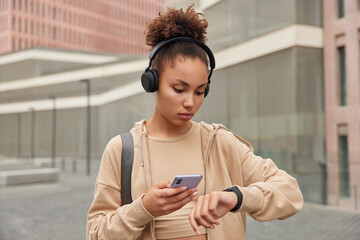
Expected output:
(230, 199)
(143, 205)
(239, 196)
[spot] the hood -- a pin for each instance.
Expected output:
(215, 127)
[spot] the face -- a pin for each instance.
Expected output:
(181, 90)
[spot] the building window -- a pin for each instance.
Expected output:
(13, 44)
(344, 165)
(13, 24)
(341, 8)
(54, 13)
(19, 25)
(53, 32)
(342, 75)
(37, 29)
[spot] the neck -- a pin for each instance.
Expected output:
(158, 126)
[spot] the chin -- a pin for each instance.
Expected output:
(182, 122)
(178, 122)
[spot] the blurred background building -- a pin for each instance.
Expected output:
(342, 100)
(86, 25)
(287, 80)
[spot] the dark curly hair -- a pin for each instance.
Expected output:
(177, 23)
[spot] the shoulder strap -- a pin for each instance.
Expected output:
(127, 158)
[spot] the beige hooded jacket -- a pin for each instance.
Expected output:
(268, 193)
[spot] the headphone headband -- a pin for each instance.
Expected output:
(150, 78)
(166, 42)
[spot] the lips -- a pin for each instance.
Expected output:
(186, 116)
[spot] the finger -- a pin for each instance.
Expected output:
(162, 185)
(204, 212)
(179, 204)
(197, 214)
(193, 222)
(213, 204)
(173, 191)
(180, 196)
(208, 209)
(201, 214)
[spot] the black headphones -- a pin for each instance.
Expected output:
(150, 77)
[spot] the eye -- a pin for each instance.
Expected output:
(178, 90)
(200, 93)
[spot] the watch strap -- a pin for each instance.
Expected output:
(239, 195)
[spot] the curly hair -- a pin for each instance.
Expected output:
(177, 23)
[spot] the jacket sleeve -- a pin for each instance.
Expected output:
(268, 192)
(107, 219)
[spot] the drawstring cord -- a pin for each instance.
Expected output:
(146, 183)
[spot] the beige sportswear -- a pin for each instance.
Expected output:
(176, 156)
(268, 193)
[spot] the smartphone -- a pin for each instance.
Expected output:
(189, 181)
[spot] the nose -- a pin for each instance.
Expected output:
(189, 101)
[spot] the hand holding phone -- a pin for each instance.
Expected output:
(190, 181)
(161, 199)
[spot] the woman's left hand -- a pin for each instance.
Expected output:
(211, 207)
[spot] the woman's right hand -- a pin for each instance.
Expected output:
(161, 199)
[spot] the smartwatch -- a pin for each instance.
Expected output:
(239, 195)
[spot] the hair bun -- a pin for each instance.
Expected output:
(176, 23)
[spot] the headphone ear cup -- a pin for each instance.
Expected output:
(156, 79)
(207, 89)
(150, 80)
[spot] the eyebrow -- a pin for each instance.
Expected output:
(186, 84)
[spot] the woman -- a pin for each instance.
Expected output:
(235, 181)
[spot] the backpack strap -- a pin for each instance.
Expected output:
(127, 158)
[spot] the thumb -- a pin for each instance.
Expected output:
(162, 185)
